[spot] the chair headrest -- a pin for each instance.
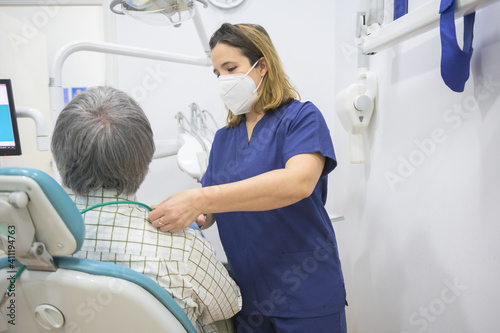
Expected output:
(53, 218)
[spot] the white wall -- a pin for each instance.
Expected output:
(419, 245)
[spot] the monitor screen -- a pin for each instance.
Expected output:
(9, 135)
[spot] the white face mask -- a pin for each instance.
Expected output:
(238, 91)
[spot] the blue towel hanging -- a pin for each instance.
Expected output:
(455, 63)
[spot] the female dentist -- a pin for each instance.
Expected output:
(266, 186)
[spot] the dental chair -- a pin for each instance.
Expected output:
(53, 292)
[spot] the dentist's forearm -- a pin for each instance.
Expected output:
(271, 190)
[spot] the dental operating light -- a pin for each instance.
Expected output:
(157, 12)
(226, 4)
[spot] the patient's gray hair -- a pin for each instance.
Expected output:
(102, 139)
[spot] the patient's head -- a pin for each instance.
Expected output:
(102, 139)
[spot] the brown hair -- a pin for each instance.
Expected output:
(254, 43)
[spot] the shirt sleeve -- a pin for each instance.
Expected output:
(307, 132)
(217, 295)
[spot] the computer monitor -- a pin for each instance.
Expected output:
(9, 134)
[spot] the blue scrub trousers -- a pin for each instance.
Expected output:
(335, 323)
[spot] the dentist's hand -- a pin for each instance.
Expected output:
(177, 212)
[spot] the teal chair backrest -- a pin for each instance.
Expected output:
(50, 214)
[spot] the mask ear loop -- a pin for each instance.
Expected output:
(252, 67)
(257, 88)
(262, 77)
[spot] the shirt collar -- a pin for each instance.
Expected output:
(100, 196)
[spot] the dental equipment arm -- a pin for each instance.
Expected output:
(42, 130)
(55, 80)
(195, 138)
(165, 148)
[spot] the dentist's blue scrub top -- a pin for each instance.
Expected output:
(284, 260)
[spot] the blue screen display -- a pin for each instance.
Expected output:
(9, 136)
(6, 131)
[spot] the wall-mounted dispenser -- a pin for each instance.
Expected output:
(355, 106)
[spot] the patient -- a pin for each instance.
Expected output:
(102, 145)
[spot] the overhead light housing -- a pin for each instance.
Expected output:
(157, 12)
